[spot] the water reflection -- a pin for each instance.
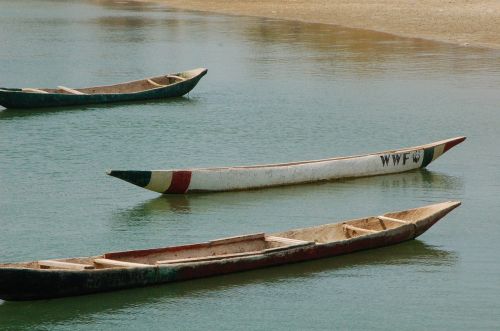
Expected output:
(143, 16)
(134, 6)
(356, 51)
(333, 44)
(336, 49)
(79, 309)
(179, 204)
(119, 22)
(7, 114)
(418, 180)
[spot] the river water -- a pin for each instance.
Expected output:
(276, 91)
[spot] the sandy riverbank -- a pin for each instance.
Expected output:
(464, 22)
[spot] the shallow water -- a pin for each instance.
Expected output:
(276, 91)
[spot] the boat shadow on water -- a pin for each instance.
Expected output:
(47, 313)
(6, 114)
(442, 186)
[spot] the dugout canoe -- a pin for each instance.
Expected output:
(182, 181)
(119, 270)
(165, 86)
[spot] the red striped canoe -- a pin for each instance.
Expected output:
(119, 270)
(250, 177)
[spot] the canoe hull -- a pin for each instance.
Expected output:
(27, 284)
(252, 177)
(30, 284)
(16, 98)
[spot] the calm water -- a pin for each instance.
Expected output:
(276, 91)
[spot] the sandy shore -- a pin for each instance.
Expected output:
(463, 22)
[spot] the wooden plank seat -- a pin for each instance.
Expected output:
(117, 263)
(288, 241)
(358, 230)
(34, 90)
(70, 90)
(47, 264)
(390, 219)
(154, 83)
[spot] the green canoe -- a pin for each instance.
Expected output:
(166, 86)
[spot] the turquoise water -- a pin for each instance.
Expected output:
(276, 91)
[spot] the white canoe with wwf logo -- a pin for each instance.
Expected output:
(182, 181)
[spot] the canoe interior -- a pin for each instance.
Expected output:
(330, 233)
(229, 247)
(250, 245)
(129, 87)
(237, 246)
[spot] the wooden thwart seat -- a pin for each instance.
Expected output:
(288, 241)
(116, 263)
(358, 230)
(34, 90)
(155, 83)
(46, 264)
(390, 219)
(70, 90)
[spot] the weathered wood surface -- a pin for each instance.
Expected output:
(119, 270)
(159, 87)
(70, 90)
(251, 177)
(384, 218)
(63, 265)
(33, 90)
(358, 229)
(116, 263)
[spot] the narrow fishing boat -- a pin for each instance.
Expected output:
(120, 270)
(182, 181)
(166, 86)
